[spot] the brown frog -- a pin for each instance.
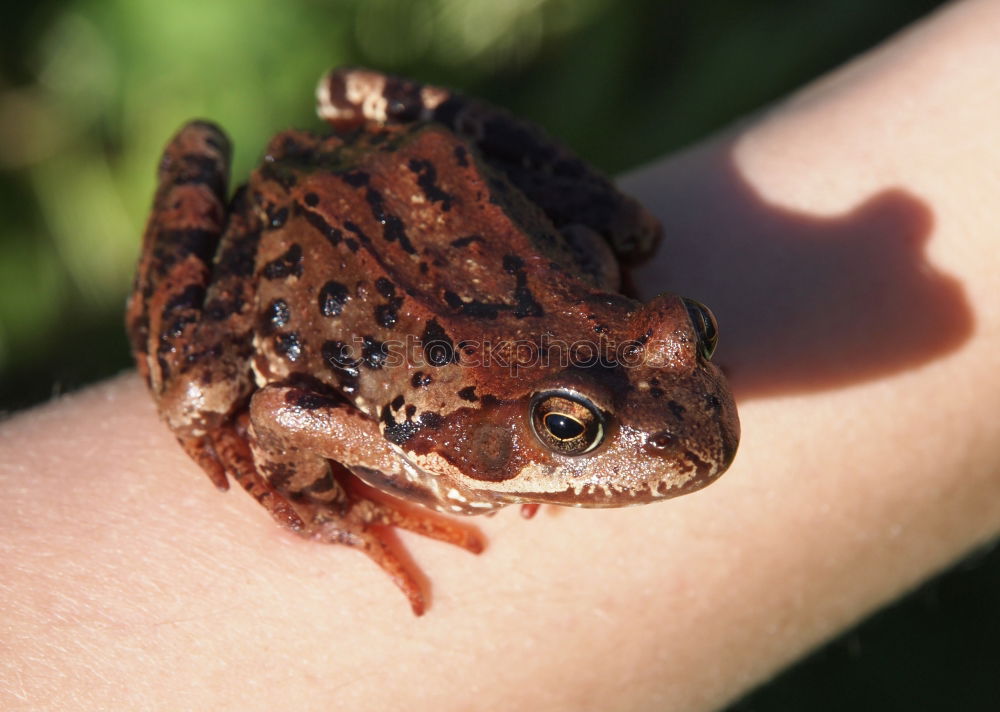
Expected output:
(424, 301)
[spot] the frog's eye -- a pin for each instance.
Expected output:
(704, 324)
(566, 423)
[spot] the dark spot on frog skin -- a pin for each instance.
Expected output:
(676, 408)
(172, 246)
(276, 218)
(288, 345)
(656, 392)
(209, 353)
(332, 234)
(439, 349)
(392, 227)
(289, 264)
(332, 298)
(397, 433)
(237, 260)
(600, 328)
(466, 241)
(277, 313)
(482, 310)
(475, 308)
(177, 326)
(525, 304)
(356, 179)
(453, 300)
(410, 410)
(352, 244)
(713, 402)
(199, 168)
(423, 267)
(461, 156)
(385, 287)
(386, 315)
(373, 353)
(221, 309)
(311, 199)
(397, 402)
(190, 297)
(307, 400)
(402, 99)
(337, 357)
(280, 174)
(420, 380)
(394, 230)
(468, 394)
(427, 181)
(351, 226)
(512, 264)
(431, 420)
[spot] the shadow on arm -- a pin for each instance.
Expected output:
(804, 303)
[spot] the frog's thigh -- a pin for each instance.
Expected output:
(569, 191)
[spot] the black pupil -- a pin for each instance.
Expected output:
(562, 426)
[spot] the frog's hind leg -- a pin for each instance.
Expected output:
(577, 198)
(299, 439)
(180, 240)
(189, 317)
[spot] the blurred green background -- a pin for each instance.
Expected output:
(91, 89)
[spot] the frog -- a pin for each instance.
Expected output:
(415, 313)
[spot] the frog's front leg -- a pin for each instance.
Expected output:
(303, 443)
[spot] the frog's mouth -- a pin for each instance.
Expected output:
(416, 484)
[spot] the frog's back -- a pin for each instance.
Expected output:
(382, 242)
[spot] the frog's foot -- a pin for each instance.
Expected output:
(363, 523)
(225, 450)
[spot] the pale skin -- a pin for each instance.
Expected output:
(846, 240)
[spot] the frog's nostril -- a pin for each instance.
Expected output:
(662, 440)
